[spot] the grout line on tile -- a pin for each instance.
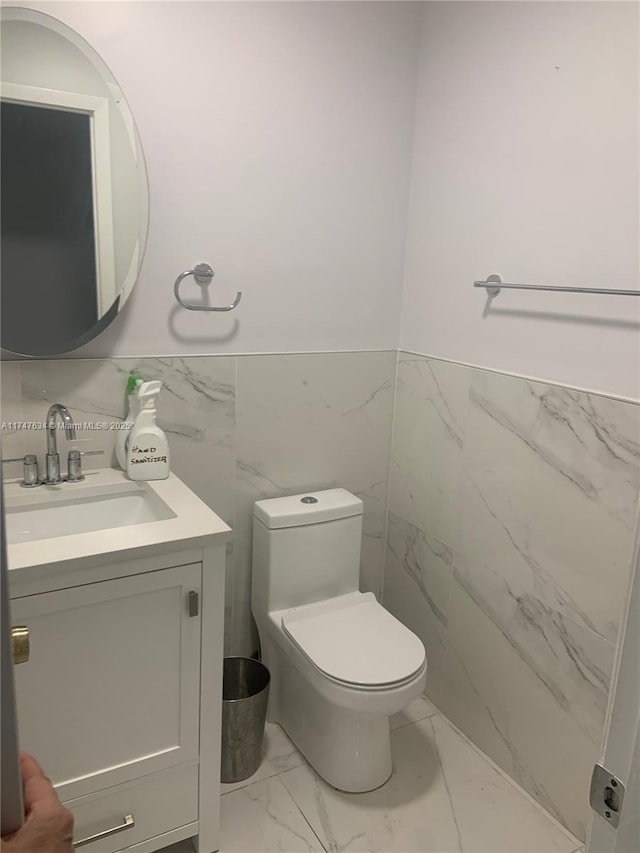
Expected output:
(514, 784)
(231, 595)
(413, 722)
(581, 389)
(304, 817)
(422, 530)
(385, 532)
(276, 776)
(418, 719)
(290, 770)
(247, 783)
(446, 785)
(231, 354)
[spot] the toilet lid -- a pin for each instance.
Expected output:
(355, 640)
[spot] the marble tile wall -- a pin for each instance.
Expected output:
(308, 422)
(511, 513)
(240, 429)
(505, 544)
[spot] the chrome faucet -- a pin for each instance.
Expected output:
(53, 457)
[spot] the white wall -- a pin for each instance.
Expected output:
(526, 165)
(278, 143)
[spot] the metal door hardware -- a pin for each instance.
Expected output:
(193, 603)
(20, 644)
(607, 795)
(128, 822)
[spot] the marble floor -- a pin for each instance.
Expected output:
(444, 797)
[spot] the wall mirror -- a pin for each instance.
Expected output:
(74, 191)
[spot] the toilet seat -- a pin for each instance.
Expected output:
(353, 640)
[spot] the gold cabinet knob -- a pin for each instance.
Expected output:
(20, 643)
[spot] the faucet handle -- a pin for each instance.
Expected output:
(74, 464)
(30, 474)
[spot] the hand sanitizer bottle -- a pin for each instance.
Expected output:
(133, 403)
(147, 445)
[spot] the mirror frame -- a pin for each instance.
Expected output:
(104, 225)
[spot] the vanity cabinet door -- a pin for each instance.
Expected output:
(111, 688)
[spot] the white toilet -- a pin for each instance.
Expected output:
(340, 663)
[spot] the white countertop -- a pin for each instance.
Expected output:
(194, 524)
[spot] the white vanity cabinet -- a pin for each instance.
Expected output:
(111, 688)
(120, 699)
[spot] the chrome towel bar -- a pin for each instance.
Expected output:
(493, 284)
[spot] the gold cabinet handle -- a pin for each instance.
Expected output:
(20, 643)
(127, 823)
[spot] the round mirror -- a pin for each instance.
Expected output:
(75, 200)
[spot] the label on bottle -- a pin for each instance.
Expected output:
(140, 454)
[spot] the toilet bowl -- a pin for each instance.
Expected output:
(340, 663)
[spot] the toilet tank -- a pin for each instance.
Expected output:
(305, 548)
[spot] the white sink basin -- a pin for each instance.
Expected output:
(106, 517)
(57, 511)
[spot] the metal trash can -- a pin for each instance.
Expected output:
(245, 690)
